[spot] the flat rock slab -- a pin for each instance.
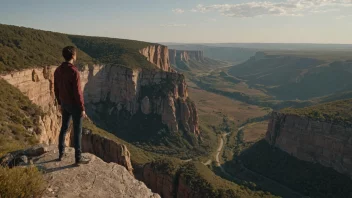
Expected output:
(96, 179)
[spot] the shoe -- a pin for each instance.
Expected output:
(82, 160)
(61, 156)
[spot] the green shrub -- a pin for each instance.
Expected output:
(21, 182)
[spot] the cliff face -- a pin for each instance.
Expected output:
(158, 55)
(119, 94)
(116, 94)
(165, 185)
(37, 84)
(326, 143)
(108, 150)
(185, 55)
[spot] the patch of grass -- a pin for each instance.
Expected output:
(21, 182)
(18, 117)
(337, 111)
(254, 131)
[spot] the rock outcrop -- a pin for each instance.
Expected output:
(95, 179)
(327, 143)
(106, 149)
(158, 55)
(185, 55)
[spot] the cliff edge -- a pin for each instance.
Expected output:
(96, 179)
(326, 142)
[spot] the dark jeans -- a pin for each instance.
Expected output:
(71, 111)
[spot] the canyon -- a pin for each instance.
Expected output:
(323, 142)
(124, 90)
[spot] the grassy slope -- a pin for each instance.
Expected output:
(22, 48)
(17, 117)
(330, 55)
(337, 111)
(113, 51)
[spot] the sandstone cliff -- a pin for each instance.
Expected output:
(185, 55)
(37, 84)
(158, 55)
(327, 143)
(167, 186)
(117, 94)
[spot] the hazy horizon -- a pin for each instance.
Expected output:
(197, 22)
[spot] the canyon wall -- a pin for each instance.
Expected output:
(123, 90)
(37, 84)
(167, 186)
(327, 143)
(185, 55)
(158, 55)
(119, 93)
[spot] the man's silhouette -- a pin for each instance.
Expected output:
(68, 92)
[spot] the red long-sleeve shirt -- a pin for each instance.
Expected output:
(67, 85)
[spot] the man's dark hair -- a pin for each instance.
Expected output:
(68, 52)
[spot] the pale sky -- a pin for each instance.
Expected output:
(189, 21)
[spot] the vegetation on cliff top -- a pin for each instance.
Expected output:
(17, 119)
(203, 181)
(22, 48)
(337, 111)
(113, 51)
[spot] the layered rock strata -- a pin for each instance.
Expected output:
(133, 91)
(158, 55)
(165, 185)
(185, 56)
(327, 143)
(124, 89)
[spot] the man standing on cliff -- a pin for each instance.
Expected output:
(68, 93)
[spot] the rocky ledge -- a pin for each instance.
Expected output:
(64, 179)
